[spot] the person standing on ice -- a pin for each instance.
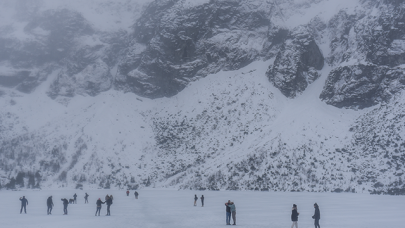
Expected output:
(294, 216)
(195, 200)
(317, 216)
(202, 200)
(136, 194)
(24, 203)
(109, 202)
(99, 202)
(49, 203)
(74, 198)
(86, 196)
(228, 213)
(65, 205)
(127, 192)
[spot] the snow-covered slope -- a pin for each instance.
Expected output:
(246, 96)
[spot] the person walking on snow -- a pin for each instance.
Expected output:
(49, 203)
(65, 205)
(233, 212)
(74, 198)
(228, 213)
(99, 202)
(136, 194)
(294, 216)
(86, 196)
(24, 203)
(202, 200)
(317, 216)
(109, 202)
(195, 200)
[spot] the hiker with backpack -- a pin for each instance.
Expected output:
(109, 202)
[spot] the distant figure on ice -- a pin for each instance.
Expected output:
(86, 196)
(228, 213)
(127, 192)
(109, 202)
(49, 203)
(71, 201)
(99, 202)
(195, 200)
(294, 216)
(317, 216)
(136, 194)
(24, 203)
(65, 205)
(74, 198)
(202, 200)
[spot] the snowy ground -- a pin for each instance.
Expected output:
(172, 208)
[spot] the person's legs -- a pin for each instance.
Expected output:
(25, 209)
(228, 218)
(294, 224)
(317, 223)
(234, 217)
(108, 209)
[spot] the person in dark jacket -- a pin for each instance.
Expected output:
(99, 202)
(65, 205)
(136, 194)
(49, 203)
(317, 216)
(228, 213)
(294, 216)
(195, 200)
(24, 203)
(86, 196)
(202, 200)
(127, 192)
(109, 202)
(74, 198)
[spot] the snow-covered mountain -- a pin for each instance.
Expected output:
(294, 95)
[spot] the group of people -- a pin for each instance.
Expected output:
(108, 201)
(49, 203)
(230, 210)
(135, 193)
(196, 198)
(295, 214)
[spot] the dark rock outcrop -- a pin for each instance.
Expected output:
(182, 43)
(296, 63)
(362, 86)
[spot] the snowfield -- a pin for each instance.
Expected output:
(172, 208)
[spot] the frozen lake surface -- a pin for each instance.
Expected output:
(174, 209)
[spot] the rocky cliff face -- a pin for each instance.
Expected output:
(257, 95)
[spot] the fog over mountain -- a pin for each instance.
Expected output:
(292, 95)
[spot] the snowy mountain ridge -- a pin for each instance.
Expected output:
(256, 95)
